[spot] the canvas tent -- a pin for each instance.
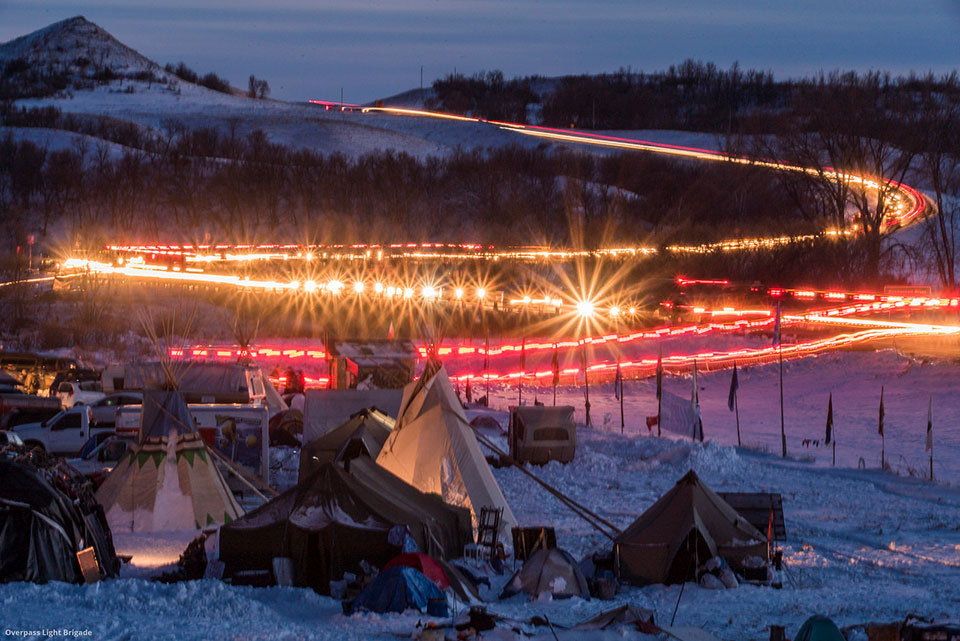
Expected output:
(325, 409)
(685, 527)
(335, 519)
(433, 448)
(168, 480)
(553, 571)
(363, 435)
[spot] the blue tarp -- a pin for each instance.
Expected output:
(400, 588)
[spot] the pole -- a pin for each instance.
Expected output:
(621, 396)
(834, 452)
(736, 407)
(586, 382)
(783, 433)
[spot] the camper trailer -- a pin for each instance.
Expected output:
(539, 434)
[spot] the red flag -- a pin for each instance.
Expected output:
(555, 365)
(651, 421)
(390, 332)
(770, 527)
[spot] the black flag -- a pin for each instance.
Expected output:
(829, 438)
(880, 422)
(660, 373)
(734, 386)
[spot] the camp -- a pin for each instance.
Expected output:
(434, 449)
(168, 481)
(683, 529)
(363, 435)
(334, 520)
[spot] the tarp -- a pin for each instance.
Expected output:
(41, 530)
(337, 518)
(397, 589)
(819, 628)
(686, 526)
(363, 435)
(625, 614)
(433, 448)
(553, 571)
(325, 409)
(677, 415)
(168, 481)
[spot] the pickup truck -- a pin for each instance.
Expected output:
(64, 434)
(15, 400)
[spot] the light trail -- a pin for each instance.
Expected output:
(908, 203)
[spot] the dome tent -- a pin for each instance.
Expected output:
(397, 589)
(553, 571)
(819, 628)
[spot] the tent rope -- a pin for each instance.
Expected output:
(231, 466)
(594, 520)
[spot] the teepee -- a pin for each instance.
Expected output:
(168, 480)
(433, 448)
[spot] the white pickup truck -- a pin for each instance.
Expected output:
(63, 434)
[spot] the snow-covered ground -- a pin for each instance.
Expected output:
(862, 545)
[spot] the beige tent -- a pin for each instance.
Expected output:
(685, 527)
(433, 448)
(168, 481)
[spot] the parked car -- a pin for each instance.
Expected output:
(73, 393)
(105, 410)
(63, 434)
(100, 454)
(10, 438)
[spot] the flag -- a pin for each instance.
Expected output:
(829, 438)
(660, 373)
(695, 406)
(880, 422)
(523, 355)
(929, 447)
(776, 327)
(486, 354)
(618, 383)
(390, 332)
(555, 365)
(734, 386)
(651, 421)
(770, 527)
(469, 392)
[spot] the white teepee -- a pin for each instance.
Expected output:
(433, 448)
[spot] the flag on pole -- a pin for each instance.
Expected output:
(390, 332)
(555, 366)
(486, 354)
(829, 438)
(880, 422)
(695, 406)
(523, 355)
(469, 392)
(734, 386)
(618, 383)
(776, 327)
(660, 373)
(929, 447)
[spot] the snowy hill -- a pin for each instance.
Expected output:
(80, 49)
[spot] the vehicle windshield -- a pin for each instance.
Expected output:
(87, 450)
